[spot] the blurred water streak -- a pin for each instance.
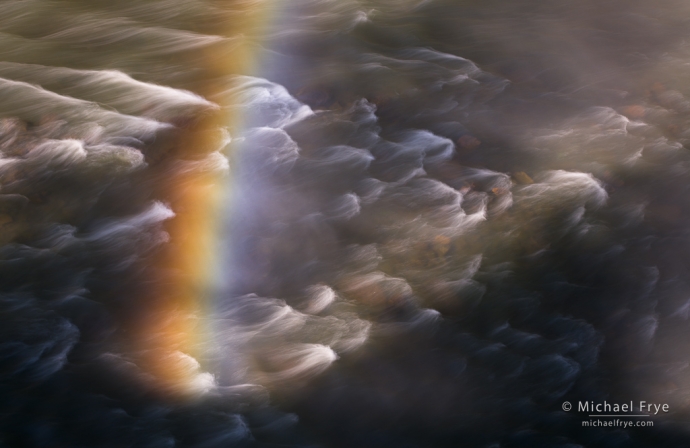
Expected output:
(342, 223)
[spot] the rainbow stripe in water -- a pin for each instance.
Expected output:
(174, 333)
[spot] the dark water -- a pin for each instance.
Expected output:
(436, 222)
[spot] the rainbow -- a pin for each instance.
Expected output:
(172, 336)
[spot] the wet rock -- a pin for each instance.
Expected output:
(657, 88)
(634, 111)
(441, 245)
(522, 178)
(468, 142)
(375, 290)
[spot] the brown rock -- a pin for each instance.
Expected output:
(657, 87)
(441, 245)
(634, 111)
(468, 141)
(522, 178)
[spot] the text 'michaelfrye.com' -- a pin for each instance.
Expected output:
(610, 414)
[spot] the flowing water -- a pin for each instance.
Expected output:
(343, 223)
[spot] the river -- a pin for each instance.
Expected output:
(344, 223)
